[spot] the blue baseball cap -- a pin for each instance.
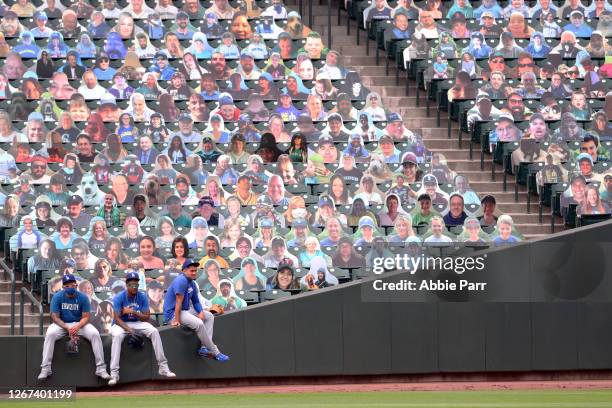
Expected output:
(266, 76)
(199, 222)
(366, 222)
(299, 223)
(584, 156)
(394, 117)
(185, 117)
(225, 99)
(325, 200)
(266, 223)
(190, 262)
(131, 276)
(67, 278)
(35, 116)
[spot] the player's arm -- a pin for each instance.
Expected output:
(144, 314)
(75, 329)
(177, 310)
(55, 313)
(57, 320)
(119, 321)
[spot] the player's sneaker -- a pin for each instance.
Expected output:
(222, 358)
(103, 375)
(165, 372)
(113, 380)
(204, 352)
(44, 374)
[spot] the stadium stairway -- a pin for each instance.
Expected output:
(416, 119)
(30, 317)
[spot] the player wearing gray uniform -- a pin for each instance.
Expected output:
(131, 315)
(182, 294)
(70, 311)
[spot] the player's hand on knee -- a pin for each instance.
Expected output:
(175, 323)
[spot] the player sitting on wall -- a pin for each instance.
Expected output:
(70, 311)
(131, 314)
(182, 293)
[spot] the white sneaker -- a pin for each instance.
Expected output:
(113, 380)
(103, 375)
(44, 374)
(165, 372)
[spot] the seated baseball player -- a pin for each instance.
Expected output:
(131, 315)
(70, 310)
(183, 293)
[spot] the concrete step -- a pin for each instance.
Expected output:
(320, 20)
(5, 307)
(477, 175)
(5, 297)
(542, 229)
(457, 154)
(406, 111)
(533, 218)
(6, 285)
(441, 133)
(376, 71)
(538, 236)
(511, 207)
(393, 91)
(381, 81)
(353, 50)
(339, 38)
(461, 166)
(338, 31)
(29, 319)
(402, 100)
(508, 196)
(436, 142)
(486, 186)
(426, 122)
(356, 60)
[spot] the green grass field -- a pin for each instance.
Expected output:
(416, 399)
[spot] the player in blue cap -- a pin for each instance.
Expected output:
(182, 293)
(131, 315)
(70, 312)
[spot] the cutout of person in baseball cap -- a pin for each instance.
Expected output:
(227, 298)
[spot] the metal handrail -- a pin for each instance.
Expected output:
(34, 302)
(9, 272)
(329, 33)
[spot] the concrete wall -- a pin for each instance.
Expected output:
(334, 332)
